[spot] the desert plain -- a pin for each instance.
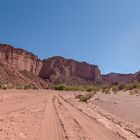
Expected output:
(57, 115)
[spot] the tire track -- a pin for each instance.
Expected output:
(92, 128)
(51, 127)
(72, 128)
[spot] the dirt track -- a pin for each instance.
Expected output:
(45, 115)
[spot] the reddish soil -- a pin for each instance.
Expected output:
(52, 115)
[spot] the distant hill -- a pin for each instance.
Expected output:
(117, 77)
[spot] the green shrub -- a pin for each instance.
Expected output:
(84, 98)
(89, 89)
(4, 87)
(34, 87)
(132, 86)
(93, 88)
(122, 86)
(78, 96)
(28, 86)
(118, 87)
(106, 89)
(115, 84)
(0, 86)
(114, 88)
(75, 88)
(134, 92)
(60, 87)
(19, 87)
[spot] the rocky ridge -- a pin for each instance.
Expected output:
(117, 77)
(56, 69)
(20, 59)
(61, 70)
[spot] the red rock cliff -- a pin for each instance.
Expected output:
(20, 59)
(117, 77)
(58, 68)
(55, 69)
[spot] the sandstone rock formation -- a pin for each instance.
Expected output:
(13, 78)
(117, 77)
(61, 70)
(19, 66)
(56, 69)
(20, 59)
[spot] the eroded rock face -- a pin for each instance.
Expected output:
(56, 69)
(11, 77)
(117, 77)
(61, 70)
(20, 59)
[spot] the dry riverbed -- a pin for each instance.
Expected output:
(54, 115)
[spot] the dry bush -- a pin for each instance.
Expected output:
(84, 98)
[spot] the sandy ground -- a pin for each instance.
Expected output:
(122, 104)
(53, 115)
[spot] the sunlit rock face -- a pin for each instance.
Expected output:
(61, 70)
(20, 59)
(56, 69)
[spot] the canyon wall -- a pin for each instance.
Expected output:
(20, 59)
(56, 69)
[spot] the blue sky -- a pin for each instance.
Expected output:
(102, 32)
